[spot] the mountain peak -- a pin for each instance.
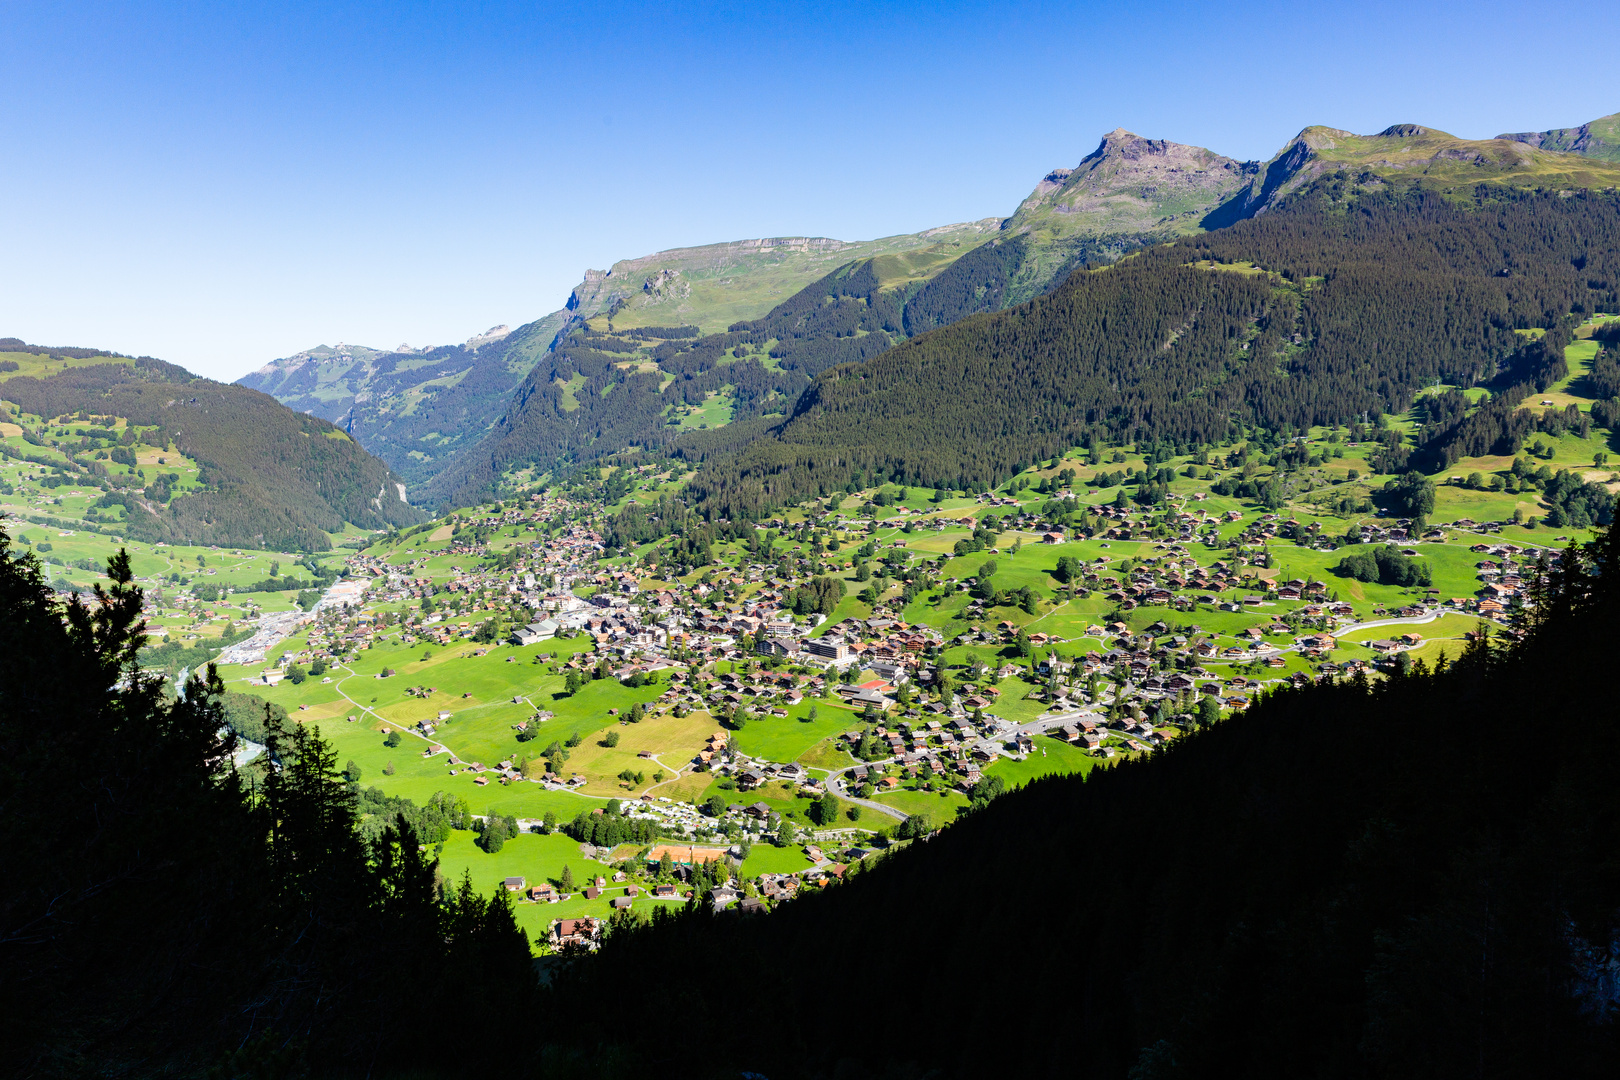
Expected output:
(1407, 131)
(1128, 184)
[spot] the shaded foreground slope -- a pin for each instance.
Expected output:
(1345, 881)
(164, 914)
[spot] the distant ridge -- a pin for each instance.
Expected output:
(1403, 153)
(1599, 139)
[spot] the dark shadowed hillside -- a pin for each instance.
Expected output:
(166, 915)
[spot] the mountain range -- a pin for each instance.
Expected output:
(647, 340)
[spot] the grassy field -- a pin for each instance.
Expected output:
(1051, 757)
(769, 859)
(940, 807)
(792, 737)
(1446, 627)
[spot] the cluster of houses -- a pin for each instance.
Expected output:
(745, 612)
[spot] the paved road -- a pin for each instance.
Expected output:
(836, 786)
(1036, 727)
(1416, 620)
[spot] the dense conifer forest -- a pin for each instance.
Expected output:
(594, 394)
(1337, 306)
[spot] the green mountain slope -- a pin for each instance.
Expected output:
(442, 418)
(713, 286)
(1305, 315)
(1599, 139)
(183, 458)
(1404, 154)
(416, 408)
(419, 408)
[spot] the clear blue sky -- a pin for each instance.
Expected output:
(219, 185)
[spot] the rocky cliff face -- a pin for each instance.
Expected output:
(1130, 184)
(1128, 192)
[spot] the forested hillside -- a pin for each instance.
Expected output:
(1128, 193)
(601, 390)
(1340, 303)
(264, 475)
(417, 408)
(1351, 880)
(417, 415)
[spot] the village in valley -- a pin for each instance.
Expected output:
(599, 701)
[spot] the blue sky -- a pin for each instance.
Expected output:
(219, 185)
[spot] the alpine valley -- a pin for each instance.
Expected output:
(1156, 632)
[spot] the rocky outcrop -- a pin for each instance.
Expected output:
(1129, 184)
(493, 334)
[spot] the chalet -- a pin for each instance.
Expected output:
(575, 932)
(513, 884)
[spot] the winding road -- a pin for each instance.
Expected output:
(836, 786)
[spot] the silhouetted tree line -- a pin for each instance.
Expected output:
(163, 912)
